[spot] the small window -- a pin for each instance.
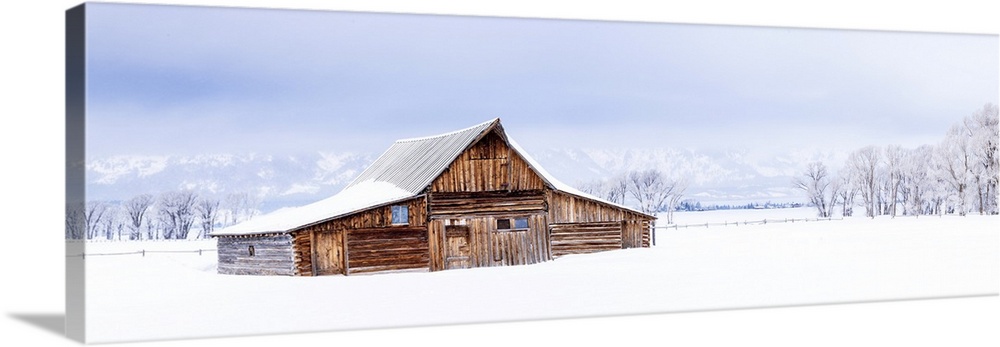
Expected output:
(251, 251)
(510, 224)
(520, 223)
(400, 214)
(503, 224)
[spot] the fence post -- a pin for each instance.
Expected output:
(144, 253)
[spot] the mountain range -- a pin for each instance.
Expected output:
(714, 177)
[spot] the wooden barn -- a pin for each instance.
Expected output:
(468, 198)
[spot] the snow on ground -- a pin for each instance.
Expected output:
(179, 295)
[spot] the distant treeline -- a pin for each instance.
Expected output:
(172, 215)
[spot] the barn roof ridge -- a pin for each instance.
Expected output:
(422, 138)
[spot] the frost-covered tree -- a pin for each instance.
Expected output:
(893, 176)
(93, 216)
(76, 224)
(916, 184)
(113, 223)
(136, 209)
(953, 162)
(176, 212)
(207, 209)
(613, 189)
(815, 182)
(653, 191)
(846, 192)
(863, 164)
(982, 129)
(240, 207)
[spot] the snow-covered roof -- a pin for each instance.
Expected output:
(357, 197)
(402, 172)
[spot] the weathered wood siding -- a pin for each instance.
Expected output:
(301, 246)
(329, 253)
(489, 165)
(579, 238)
(387, 249)
(458, 205)
(569, 212)
(272, 255)
(365, 241)
(475, 242)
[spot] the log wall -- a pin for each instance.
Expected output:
(458, 205)
(272, 255)
(489, 165)
(303, 256)
(580, 238)
(387, 249)
(570, 209)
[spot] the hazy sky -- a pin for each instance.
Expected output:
(182, 80)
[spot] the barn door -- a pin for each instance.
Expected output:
(329, 253)
(457, 253)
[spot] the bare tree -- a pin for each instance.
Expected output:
(76, 223)
(136, 209)
(893, 176)
(953, 159)
(863, 165)
(982, 129)
(846, 193)
(816, 184)
(613, 189)
(240, 207)
(113, 222)
(677, 193)
(93, 215)
(653, 191)
(915, 185)
(650, 190)
(177, 213)
(207, 213)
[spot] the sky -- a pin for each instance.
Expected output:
(175, 80)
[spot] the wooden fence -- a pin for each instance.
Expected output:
(746, 222)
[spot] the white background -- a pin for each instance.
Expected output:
(32, 143)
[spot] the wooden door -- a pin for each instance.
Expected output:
(329, 253)
(457, 252)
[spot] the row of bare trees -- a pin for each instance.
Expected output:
(651, 191)
(170, 215)
(957, 175)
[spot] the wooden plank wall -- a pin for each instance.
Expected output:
(489, 165)
(322, 246)
(328, 252)
(387, 249)
(459, 205)
(580, 238)
(273, 255)
(517, 247)
(489, 247)
(565, 208)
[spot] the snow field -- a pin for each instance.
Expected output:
(179, 295)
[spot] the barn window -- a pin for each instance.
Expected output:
(400, 214)
(251, 251)
(512, 224)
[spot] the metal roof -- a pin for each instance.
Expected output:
(412, 164)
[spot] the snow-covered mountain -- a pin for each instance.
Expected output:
(278, 180)
(289, 180)
(731, 176)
